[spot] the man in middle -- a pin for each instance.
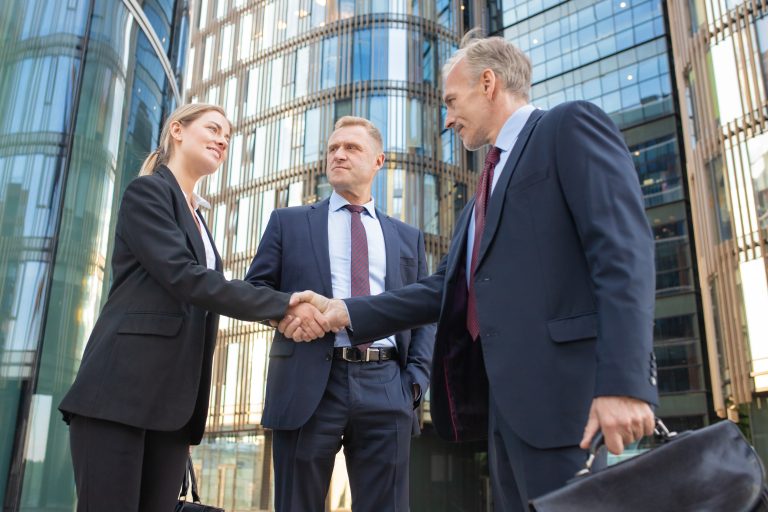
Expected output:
(326, 393)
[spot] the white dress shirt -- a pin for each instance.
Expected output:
(210, 255)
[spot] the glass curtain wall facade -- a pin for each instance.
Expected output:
(616, 54)
(285, 71)
(84, 88)
(721, 61)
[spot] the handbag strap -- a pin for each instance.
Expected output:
(660, 431)
(193, 478)
(189, 475)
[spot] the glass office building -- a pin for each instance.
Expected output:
(616, 54)
(285, 70)
(84, 88)
(721, 61)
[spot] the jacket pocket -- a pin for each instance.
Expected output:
(574, 328)
(154, 324)
(282, 348)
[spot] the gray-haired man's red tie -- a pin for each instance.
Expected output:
(481, 205)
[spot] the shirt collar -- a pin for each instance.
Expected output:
(512, 127)
(197, 201)
(337, 203)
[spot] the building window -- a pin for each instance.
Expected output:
(329, 74)
(674, 328)
(680, 367)
(431, 202)
(361, 56)
(718, 200)
(312, 133)
(658, 168)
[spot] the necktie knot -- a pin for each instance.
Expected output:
(354, 208)
(493, 157)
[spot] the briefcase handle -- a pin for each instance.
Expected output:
(189, 474)
(660, 431)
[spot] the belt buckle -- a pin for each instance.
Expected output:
(368, 356)
(351, 354)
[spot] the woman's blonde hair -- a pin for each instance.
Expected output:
(184, 115)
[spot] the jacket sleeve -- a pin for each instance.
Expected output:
(266, 266)
(398, 310)
(601, 188)
(149, 227)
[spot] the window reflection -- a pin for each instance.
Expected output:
(637, 91)
(379, 54)
(719, 201)
(431, 204)
(674, 327)
(726, 84)
(761, 29)
(312, 143)
(231, 471)
(757, 148)
(428, 59)
(673, 265)
(330, 62)
(447, 140)
(657, 163)
(124, 92)
(361, 55)
(572, 34)
(397, 54)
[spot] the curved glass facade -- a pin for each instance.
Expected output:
(83, 92)
(285, 71)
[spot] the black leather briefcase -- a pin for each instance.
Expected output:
(712, 469)
(192, 506)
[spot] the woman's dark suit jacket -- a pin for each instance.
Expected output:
(148, 361)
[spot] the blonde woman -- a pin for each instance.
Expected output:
(141, 395)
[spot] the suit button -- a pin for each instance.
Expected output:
(652, 380)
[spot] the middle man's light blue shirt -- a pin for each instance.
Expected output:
(339, 252)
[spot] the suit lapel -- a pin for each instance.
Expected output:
(497, 198)
(318, 232)
(462, 226)
(184, 216)
(393, 279)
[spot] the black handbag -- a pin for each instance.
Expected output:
(713, 469)
(192, 506)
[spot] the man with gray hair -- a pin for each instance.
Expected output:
(545, 300)
(327, 394)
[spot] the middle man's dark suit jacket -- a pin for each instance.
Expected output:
(293, 256)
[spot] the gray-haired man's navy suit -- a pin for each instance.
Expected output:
(314, 402)
(565, 297)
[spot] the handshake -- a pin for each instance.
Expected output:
(311, 315)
